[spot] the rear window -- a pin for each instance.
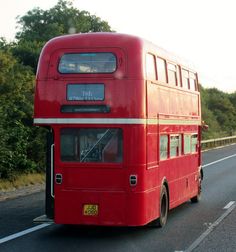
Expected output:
(100, 145)
(87, 63)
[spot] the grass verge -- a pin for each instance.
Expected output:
(22, 181)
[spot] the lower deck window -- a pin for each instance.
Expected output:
(91, 145)
(163, 147)
(190, 143)
(187, 144)
(175, 146)
(194, 143)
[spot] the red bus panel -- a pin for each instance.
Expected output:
(124, 123)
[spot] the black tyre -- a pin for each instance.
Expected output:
(197, 198)
(164, 208)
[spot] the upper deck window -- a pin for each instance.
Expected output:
(172, 74)
(72, 63)
(192, 81)
(150, 67)
(185, 79)
(161, 69)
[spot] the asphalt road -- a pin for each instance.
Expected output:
(185, 225)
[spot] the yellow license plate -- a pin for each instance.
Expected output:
(90, 210)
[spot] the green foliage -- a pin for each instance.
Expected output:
(28, 52)
(22, 145)
(16, 107)
(219, 112)
(63, 18)
(38, 26)
(232, 99)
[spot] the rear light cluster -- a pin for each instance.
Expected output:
(133, 180)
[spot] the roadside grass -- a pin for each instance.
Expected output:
(22, 181)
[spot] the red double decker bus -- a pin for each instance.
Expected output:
(124, 122)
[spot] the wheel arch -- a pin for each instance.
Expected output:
(165, 183)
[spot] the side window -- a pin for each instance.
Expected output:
(192, 81)
(179, 84)
(175, 145)
(150, 67)
(194, 143)
(172, 74)
(185, 79)
(187, 144)
(161, 69)
(163, 147)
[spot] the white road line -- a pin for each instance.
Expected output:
(219, 160)
(19, 234)
(210, 229)
(229, 205)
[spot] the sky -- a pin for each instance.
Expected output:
(202, 32)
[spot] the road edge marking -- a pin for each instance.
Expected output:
(24, 232)
(229, 205)
(219, 160)
(210, 229)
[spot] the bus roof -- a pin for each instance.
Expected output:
(110, 39)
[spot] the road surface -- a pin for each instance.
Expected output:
(190, 227)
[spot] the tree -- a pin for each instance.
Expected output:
(219, 112)
(38, 26)
(208, 116)
(223, 109)
(22, 147)
(16, 107)
(232, 98)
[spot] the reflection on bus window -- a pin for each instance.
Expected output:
(175, 146)
(91, 145)
(87, 63)
(172, 74)
(150, 67)
(187, 144)
(194, 143)
(163, 147)
(192, 81)
(185, 79)
(161, 69)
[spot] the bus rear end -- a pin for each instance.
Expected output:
(94, 107)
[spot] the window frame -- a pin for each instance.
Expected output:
(190, 149)
(182, 78)
(166, 149)
(196, 144)
(173, 70)
(194, 79)
(77, 139)
(188, 152)
(90, 52)
(154, 74)
(178, 146)
(165, 69)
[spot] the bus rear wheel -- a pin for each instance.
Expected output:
(197, 198)
(164, 207)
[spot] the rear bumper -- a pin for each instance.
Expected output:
(114, 208)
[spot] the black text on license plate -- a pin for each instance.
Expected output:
(90, 210)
